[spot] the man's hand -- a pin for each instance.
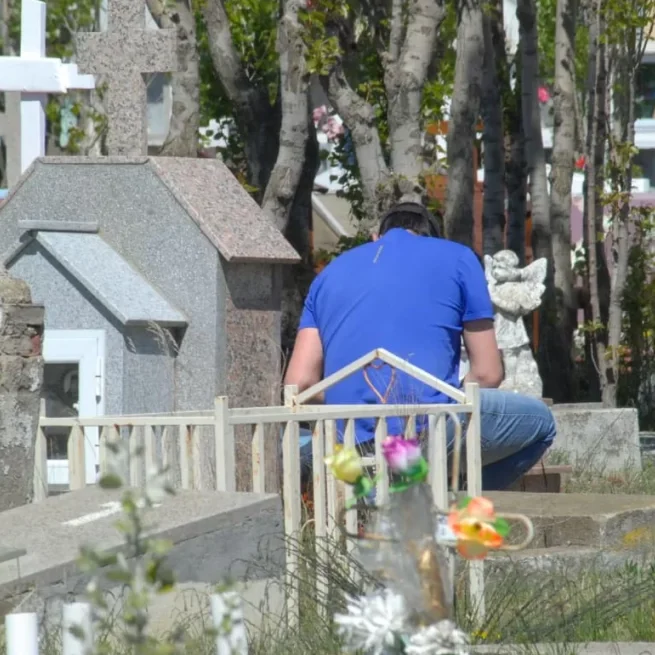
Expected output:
(306, 364)
(486, 366)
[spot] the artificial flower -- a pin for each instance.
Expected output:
(443, 638)
(319, 113)
(374, 624)
(580, 163)
(346, 465)
(476, 528)
(402, 455)
(543, 95)
(405, 460)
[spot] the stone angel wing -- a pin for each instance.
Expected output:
(488, 263)
(535, 272)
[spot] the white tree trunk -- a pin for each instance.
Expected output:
(294, 82)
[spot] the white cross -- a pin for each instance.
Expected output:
(34, 76)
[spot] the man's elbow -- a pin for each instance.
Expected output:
(489, 377)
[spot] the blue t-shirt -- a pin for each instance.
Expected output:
(407, 294)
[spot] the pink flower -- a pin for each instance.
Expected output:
(401, 454)
(543, 95)
(333, 128)
(319, 113)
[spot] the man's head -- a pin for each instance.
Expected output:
(410, 216)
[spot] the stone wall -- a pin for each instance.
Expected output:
(21, 376)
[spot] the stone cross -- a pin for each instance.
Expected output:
(123, 54)
(34, 75)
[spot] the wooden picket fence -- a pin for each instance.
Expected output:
(23, 637)
(180, 432)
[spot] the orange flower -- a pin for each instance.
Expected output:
(476, 527)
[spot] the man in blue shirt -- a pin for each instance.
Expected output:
(416, 295)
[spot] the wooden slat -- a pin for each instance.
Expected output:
(196, 457)
(292, 513)
(76, 463)
(410, 427)
(258, 464)
(224, 439)
(170, 439)
(135, 445)
(382, 488)
(149, 452)
(40, 467)
(184, 445)
(103, 455)
(330, 431)
(320, 513)
(474, 488)
(351, 517)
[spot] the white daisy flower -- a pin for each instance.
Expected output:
(442, 638)
(373, 624)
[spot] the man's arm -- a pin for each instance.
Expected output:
(485, 361)
(306, 365)
(486, 366)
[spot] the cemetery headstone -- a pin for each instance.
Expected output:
(123, 54)
(515, 292)
(21, 375)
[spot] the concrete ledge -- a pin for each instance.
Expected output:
(593, 648)
(607, 521)
(216, 536)
(596, 439)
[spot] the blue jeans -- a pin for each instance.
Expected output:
(516, 431)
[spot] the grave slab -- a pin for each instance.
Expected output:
(592, 648)
(606, 521)
(216, 536)
(595, 438)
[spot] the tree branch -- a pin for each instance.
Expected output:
(404, 81)
(396, 31)
(294, 81)
(359, 116)
(227, 63)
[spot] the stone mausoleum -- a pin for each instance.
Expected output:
(161, 280)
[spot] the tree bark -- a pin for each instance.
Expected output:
(257, 120)
(558, 382)
(515, 175)
(294, 83)
(359, 116)
(464, 107)
(534, 149)
(493, 209)
(405, 77)
(182, 139)
(593, 215)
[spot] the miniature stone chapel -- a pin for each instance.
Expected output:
(160, 277)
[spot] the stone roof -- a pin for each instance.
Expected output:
(212, 197)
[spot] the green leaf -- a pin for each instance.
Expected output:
(464, 502)
(110, 481)
(501, 526)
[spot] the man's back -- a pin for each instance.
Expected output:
(407, 294)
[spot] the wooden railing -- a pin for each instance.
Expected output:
(176, 439)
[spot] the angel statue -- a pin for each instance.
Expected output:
(515, 292)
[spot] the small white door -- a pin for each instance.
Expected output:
(73, 386)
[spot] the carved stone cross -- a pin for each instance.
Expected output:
(123, 54)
